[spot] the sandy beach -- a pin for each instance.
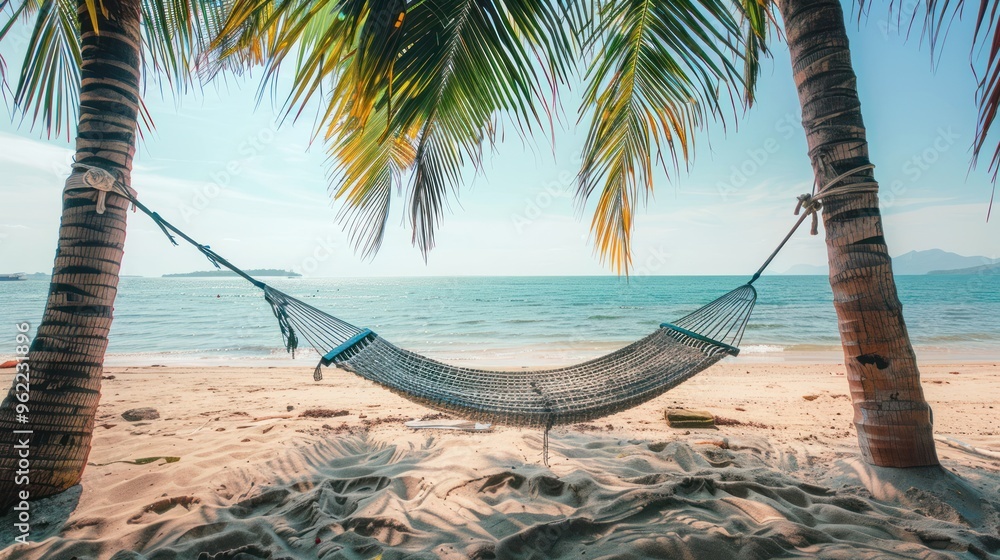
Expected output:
(273, 465)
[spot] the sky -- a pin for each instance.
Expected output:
(219, 166)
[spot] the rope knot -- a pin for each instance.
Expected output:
(100, 180)
(811, 205)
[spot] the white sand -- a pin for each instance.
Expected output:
(254, 474)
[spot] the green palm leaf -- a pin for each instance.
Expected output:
(373, 163)
(659, 69)
(49, 83)
(463, 64)
(431, 76)
(757, 20)
(4, 89)
(316, 36)
(986, 40)
(176, 37)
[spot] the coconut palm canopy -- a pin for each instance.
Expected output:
(176, 34)
(410, 93)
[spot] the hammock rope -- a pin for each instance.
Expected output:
(536, 398)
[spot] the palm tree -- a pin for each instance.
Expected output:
(89, 51)
(892, 417)
(893, 420)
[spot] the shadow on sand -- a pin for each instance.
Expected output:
(424, 497)
(45, 518)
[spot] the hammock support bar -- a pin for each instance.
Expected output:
(732, 349)
(332, 355)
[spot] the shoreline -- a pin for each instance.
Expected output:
(520, 358)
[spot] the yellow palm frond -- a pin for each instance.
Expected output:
(657, 75)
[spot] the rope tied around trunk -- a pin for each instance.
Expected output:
(99, 179)
(812, 202)
(809, 204)
(104, 181)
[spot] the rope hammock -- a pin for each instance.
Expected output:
(533, 398)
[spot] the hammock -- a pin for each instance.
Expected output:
(541, 398)
(533, 398)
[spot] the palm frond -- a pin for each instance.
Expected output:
(4, 88)
(757, 20)
(935, 19)
(462, 64)
(436, 167)
(315, 36)
(49, 83)
(987, 37)
(178, 35)
(371, 164)
(246, 35)
(556, 31)
(428, 77)
(659, 73)
(466, 66)
(986, 40)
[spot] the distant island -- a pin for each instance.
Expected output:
(993, 268)
(225, 273)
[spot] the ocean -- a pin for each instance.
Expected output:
(511, 321)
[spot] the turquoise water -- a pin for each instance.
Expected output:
(508, 321)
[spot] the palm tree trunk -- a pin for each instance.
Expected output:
(892, 418)
(67, 355)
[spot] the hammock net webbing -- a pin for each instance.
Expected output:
(537, 398)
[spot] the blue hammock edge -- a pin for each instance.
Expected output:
(330, 356)
(730, 348)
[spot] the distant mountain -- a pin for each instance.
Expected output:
(914, 262)
(981, 269)
(224, 273)
(922, 262)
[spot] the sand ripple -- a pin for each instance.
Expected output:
(358, 498)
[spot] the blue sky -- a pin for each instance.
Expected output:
(221, 168)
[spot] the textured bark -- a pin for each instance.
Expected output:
(892, 418)
(67, 355)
